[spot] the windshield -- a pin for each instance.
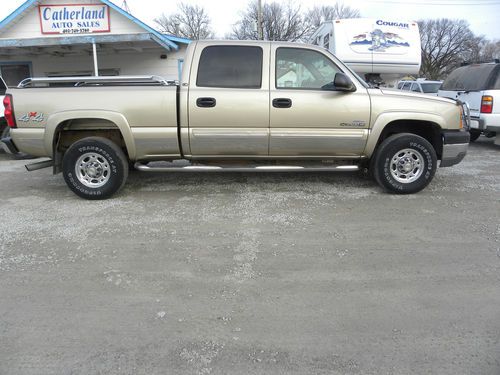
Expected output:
(430, 88)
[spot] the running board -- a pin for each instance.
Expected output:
(242, 168)
(39, 165)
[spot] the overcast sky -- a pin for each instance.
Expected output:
(482, 15)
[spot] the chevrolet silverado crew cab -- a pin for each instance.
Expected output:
(239, 106)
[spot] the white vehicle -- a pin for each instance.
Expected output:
(420, 85)
(381, 50)
(479, 86)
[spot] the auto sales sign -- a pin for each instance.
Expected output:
(74, 18)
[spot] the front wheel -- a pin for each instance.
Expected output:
(404, 163)
(95, 168)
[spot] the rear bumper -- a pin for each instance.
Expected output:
(455, 144)
(486, 122)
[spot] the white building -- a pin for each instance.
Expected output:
(51, 38)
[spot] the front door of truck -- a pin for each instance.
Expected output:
(307, 120)
(229, 101)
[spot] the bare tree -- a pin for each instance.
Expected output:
(191, 21)
(490, 51)
(279, 22)
(319, 14)
(445, 44)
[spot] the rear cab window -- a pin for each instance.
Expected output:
(230, 67)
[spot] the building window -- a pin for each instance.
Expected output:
(230, 67)
(13, 73)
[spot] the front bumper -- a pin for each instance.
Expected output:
(455, 144)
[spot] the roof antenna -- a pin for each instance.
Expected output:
(125, 7)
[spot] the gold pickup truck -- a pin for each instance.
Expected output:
(239, 106)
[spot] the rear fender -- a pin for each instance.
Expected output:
(56, 120)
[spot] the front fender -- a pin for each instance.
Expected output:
(387, 117)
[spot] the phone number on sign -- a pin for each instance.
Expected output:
(75, 31)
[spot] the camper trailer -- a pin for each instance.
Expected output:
(382, 51)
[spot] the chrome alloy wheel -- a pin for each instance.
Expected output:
(92, 170)
(407, 165)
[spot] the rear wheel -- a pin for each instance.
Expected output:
(404, 163)
(95, 168)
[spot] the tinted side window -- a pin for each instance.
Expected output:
(400, 85)
(415, 87)
(406, 86)
(471, 77)
(496, 85)
(230, 67)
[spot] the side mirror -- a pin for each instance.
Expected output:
(340, 83)
(343, 83)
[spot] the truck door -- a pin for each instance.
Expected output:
(307, 120)
(229, 100)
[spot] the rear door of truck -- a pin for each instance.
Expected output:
(228, 100)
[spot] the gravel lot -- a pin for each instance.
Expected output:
(252, 274)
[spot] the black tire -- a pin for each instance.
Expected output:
(474, 134)
(103, 168)
(404, 163)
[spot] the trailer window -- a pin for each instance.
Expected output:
(300, 68)
(230, 67)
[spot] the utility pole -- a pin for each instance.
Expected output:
(259, 21)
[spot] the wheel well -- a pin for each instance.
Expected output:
(70, 131)
(426, 129)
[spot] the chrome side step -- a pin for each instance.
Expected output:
(177, 167)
